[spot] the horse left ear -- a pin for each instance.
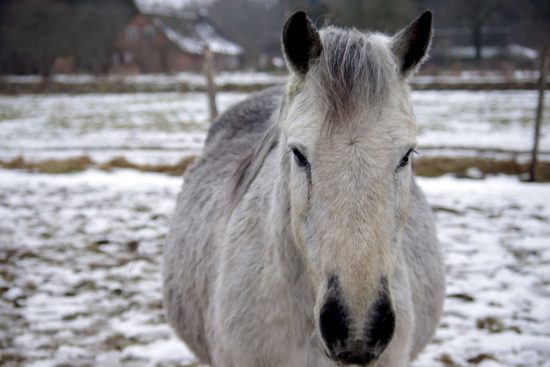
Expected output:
(411, 44)
(301, 42)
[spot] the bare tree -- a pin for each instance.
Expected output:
(210, 84)
(380, 15)
(93, 30)
(254, 24)
(33, 33)
(532, 27)
(545, 50)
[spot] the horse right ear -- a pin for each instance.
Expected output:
(411, 44)
(301, 43)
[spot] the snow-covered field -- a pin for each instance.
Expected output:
(80, 253)
(164, 127)
(152, 128)
(80, 271)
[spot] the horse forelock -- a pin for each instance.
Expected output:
(354, 71)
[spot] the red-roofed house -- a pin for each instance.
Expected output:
(166, 42)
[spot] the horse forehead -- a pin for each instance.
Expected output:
(361, 155)
(365, 136)
(342, 168)
(355, 152)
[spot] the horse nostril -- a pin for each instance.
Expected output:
(334, 319)
(334, 323)
(380, 329)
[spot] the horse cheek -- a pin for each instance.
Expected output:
(402, 197)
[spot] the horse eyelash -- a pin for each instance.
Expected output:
(413, 151)
(294, 150)
(409, 152)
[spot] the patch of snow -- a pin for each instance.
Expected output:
(163, 126)
(187, 44)
(495, 304)
(161, 351)
(205, 35)
(23, 79)
(116, 180)
(490, 52)
(75, 79)
(171, 5)
(525, 52)
(217, 43)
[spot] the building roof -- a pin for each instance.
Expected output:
(191, 31)
(171, 5)
(192, 35)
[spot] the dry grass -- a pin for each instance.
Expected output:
(482, 357)
(437, 166)
(69, 165)
(447, 361)
(175, 170)
(82, 163)
(494, 325)
(426, 166)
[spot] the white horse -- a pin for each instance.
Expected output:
(300, 237)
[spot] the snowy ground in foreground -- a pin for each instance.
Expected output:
(164, 127)
(80, 272)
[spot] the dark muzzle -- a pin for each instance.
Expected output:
(359, 347)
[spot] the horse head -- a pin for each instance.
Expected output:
(347, 136)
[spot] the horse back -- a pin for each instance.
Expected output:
(240, 127)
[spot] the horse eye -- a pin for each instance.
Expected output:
(299, 158)
(405, 160)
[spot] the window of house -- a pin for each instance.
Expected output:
(127, 57)
(149, 32)
(132, 33)
(117, 57)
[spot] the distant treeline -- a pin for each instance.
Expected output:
(256, 24)
(36, 33)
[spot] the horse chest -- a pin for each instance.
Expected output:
(263, 317)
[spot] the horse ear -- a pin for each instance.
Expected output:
(301, 42)
(411, 44)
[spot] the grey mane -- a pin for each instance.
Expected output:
(354, 70)
(251, 164)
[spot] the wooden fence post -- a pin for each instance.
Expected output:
(540, 111)
(210, 85)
